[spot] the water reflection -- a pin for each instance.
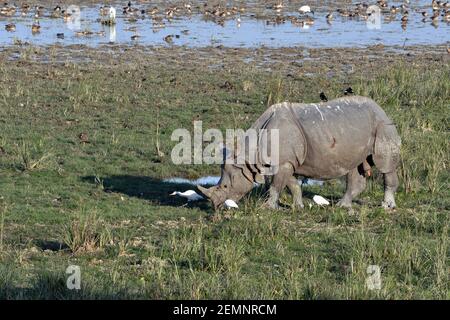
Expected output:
(112, 33)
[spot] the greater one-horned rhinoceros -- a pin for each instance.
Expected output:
(321, 141)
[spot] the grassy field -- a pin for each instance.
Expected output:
(102, 205)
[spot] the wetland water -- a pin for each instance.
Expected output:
(239, 30)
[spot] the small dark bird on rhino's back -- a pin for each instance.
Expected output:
(348, 91)
(323, 97)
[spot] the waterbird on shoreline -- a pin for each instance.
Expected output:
(112, 14)
(305, 10)
(190, 195)
(277, 7)
(323, 97)
(153, 11)
(56, 12)
(104, 10)
(36, 27)
(111, 17)
(168, 38)
(10, 27)
(7, 10)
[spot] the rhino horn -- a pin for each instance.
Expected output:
(212, 195)
(206, 192)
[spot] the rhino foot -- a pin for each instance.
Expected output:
(271, 205)
(298, 206)
(389, 201)
(344, 203)
(388, 205)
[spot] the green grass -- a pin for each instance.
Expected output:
(102, 205)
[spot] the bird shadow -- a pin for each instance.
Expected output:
(155, 190)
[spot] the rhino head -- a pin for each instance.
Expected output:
(235, 182)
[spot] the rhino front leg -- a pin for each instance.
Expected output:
(390, 187)
(279, 182)
(356, 183)
(296, 191)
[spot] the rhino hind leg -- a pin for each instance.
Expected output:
(356, 183)
(296, 191)
(279, 182)
(386, 158)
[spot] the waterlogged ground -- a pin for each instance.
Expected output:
(105, 205)
(103, 202)
(254, 26)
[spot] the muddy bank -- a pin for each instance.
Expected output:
(291, 62)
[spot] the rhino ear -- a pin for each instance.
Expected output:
(256, 173)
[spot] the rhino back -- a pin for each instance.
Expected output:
(339, 134)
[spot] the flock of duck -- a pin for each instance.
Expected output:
(440, 11)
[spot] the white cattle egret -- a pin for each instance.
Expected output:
(321, 201)
(230, 204)
(190, 195)
(112, 14)
(305, 9)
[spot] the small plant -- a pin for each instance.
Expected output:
(86, 233)
(275, 92)
(32, 156)
(158, 147)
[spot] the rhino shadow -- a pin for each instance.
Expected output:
(155, 190)
(158, 191)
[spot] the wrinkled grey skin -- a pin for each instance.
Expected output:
(320, 141)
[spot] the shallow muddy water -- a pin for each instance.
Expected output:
(245, 29)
